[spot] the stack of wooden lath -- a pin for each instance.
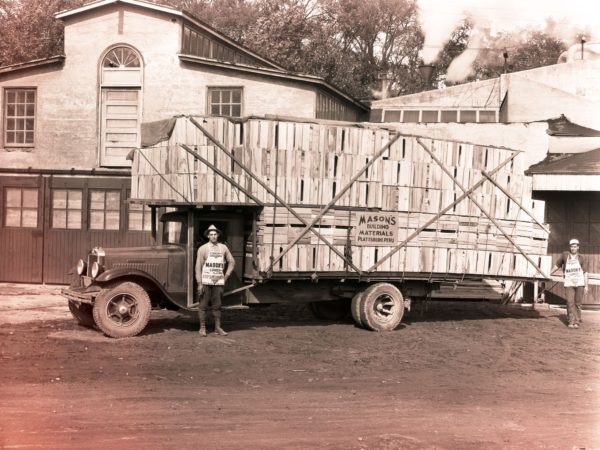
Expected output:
(308, 164)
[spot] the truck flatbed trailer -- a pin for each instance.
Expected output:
(318, 211)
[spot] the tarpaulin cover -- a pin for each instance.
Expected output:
(155, 132)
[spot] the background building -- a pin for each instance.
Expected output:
(566, 172)
(68, 122)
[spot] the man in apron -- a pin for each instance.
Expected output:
(212, 259)
(574, 267)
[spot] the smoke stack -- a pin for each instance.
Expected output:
(384, 78)
(426, 71)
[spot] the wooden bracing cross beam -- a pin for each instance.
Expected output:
(221, 173)
(440, 214)
(518, 203)
(309, 227)
(467, 193)
(335, 199)
(163, 177)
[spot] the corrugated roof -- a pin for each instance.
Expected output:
(587, 163)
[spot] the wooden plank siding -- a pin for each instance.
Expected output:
(573, 215)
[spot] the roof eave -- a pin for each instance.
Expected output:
(98, 4)
(32, 64)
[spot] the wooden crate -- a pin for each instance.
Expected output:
(308, 164)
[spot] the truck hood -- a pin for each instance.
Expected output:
(141, 253)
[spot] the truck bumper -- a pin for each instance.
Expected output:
(79, 295)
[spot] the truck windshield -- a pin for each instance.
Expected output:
(174, 232)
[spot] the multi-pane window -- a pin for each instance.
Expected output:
(105, 208)
(225, 102)
(139, 217)
(19, 117)
(67, 208)
(20, 207)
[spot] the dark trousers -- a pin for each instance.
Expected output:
(574, 300)
(212, 295)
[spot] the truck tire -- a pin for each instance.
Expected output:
(122, 310)
(331, 309)
(381, 307)
(83, 313)
(355, 307)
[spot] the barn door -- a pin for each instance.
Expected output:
(21, 229)
(120, 125)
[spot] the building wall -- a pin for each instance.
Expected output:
(531, 100)
(68, 98)
(67, 135)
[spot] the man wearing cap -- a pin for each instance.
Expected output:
(574, 267)
(212, 259)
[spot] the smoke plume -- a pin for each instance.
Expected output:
(439, 19)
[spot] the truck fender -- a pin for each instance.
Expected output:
(112, 275)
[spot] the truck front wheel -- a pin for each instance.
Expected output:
(83, 313)
(381, 307)
(122, 310)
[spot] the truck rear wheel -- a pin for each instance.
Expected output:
(83, 313)
(381, 307)
(122, 310)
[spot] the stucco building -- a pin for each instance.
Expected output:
(67, 123)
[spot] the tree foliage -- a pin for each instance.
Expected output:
(354, 44)
(29, 31)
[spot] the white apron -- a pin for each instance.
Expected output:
(214, 266)
(573, 273)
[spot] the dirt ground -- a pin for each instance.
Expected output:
(465, 375)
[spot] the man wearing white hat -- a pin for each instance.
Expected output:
(212, 259)
(574, 267)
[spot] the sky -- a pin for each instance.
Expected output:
(440, 17)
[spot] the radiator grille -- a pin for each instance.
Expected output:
(151, 269)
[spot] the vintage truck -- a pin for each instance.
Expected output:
(346, 217)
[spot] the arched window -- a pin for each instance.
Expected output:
(120, 58)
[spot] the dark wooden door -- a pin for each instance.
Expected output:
(21, 229)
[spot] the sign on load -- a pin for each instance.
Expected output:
(375, 229)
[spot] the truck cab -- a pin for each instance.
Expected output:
(116, 288)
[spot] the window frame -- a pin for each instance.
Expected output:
(20, 207)
(67, 209)
(5, 130)
(209, 104)
(90, 210)
(146, 210)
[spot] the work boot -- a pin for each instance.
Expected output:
(218, 329)
(202, 330)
